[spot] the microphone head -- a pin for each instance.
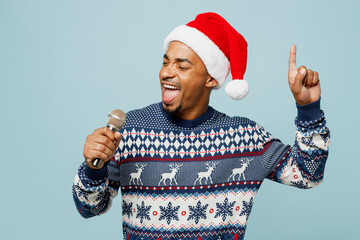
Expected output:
(116, 119)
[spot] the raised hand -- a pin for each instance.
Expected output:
(304, 83)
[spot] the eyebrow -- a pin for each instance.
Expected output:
(179, 59)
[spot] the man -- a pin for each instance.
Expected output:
(186, 170)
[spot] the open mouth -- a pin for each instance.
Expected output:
(170, 92)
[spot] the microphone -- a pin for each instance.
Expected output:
(116, 120)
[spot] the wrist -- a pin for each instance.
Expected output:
(308, 112)
(96, 173)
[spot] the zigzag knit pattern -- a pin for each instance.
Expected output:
(197, 179)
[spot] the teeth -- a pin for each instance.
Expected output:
(170, 87)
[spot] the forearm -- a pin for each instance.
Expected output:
(91, 191)
(303, 164)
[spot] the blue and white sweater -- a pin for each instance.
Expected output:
(197, 179)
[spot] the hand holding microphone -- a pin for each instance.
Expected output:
(101, 145)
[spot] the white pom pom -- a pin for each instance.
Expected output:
(237, 89)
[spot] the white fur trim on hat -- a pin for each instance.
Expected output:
(217, 64)
(237, 89)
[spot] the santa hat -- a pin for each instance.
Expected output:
(219, 46)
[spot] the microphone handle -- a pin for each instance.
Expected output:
(97, 161)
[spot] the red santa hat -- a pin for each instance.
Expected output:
(219, 46)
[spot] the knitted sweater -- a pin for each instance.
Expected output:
(197, 179)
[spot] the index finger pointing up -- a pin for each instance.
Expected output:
(292, 58)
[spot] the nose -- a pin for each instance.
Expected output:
(167, 71)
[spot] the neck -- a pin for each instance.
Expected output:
(192, 121)
(193, 113)
(197, 108)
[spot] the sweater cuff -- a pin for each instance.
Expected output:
(96, 174)
(309, 111)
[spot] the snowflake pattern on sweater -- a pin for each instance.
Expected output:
(198, 179)
(197, 212)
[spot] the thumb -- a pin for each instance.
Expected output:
(118, 138)
(298, 84)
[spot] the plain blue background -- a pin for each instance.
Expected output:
(64, 65)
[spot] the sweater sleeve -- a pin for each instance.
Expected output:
(93, 190)
(303, 164)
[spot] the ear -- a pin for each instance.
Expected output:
(211, 82)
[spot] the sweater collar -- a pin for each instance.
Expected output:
(188, 123)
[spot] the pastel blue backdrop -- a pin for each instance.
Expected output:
(64, 65)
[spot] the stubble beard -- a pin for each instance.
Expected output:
(172, 112)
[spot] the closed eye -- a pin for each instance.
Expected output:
(183, 68)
